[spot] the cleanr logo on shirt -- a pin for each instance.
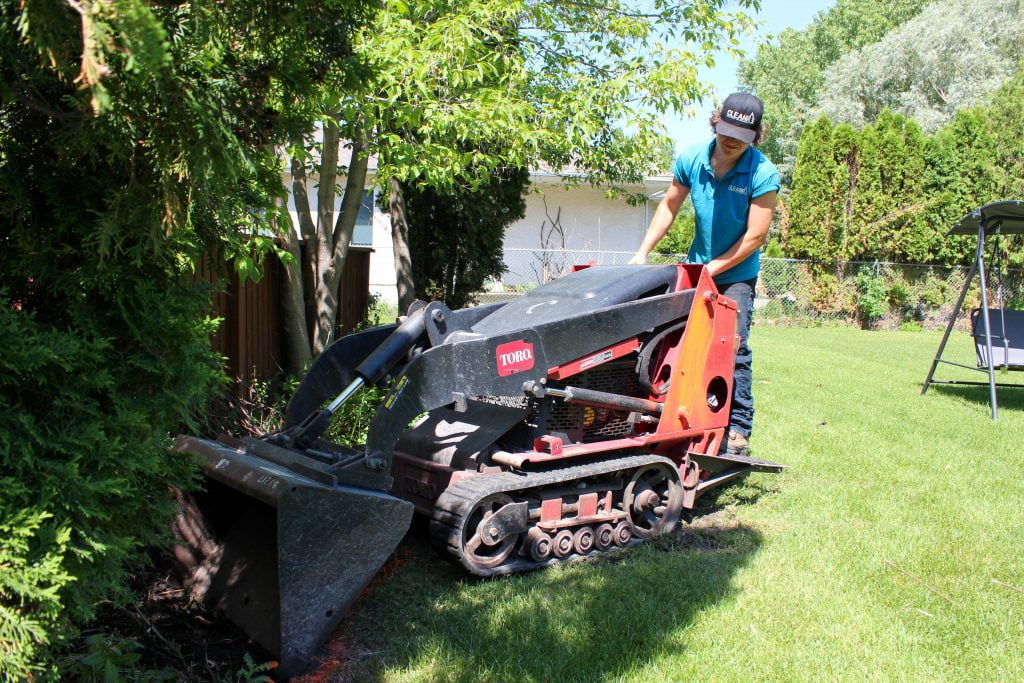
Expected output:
(737, 188)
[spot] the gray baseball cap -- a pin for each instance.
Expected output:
(740, 117)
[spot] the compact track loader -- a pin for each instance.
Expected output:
(581, 417)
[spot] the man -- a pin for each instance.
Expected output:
(733, 188)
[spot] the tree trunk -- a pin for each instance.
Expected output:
(316, 278)
(296, 333)
(326, 296)
(400, 241)
(340, 239)
(306, 267)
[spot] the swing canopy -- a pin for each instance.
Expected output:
(1006, 217)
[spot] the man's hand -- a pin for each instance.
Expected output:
(637, 260)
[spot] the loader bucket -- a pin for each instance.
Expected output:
(283, 552)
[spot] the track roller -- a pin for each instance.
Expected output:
(492, 524)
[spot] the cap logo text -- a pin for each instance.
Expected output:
(744, 118)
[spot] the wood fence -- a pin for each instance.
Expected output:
(250, 335)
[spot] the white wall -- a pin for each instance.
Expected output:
(383, 282)
(589, 220)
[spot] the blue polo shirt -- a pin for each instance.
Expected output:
(722, 206)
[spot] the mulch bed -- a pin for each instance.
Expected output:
(175, 634)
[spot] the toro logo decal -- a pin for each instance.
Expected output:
(514, 357)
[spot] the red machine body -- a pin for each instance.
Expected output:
(580, 418)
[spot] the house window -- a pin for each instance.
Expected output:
(363, 233)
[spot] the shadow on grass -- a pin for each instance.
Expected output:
(596, 619)
(1007, 397)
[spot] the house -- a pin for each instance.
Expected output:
(560, 217)
(580, 221)
(583, 217)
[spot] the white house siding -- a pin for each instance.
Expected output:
(589, 221)
(383, 282)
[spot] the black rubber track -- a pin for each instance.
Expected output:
(457, 502)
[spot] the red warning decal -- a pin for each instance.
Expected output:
(514, 357)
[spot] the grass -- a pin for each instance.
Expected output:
(889, 550)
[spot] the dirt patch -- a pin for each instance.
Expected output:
(165, 632)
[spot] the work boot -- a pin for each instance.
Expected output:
(737, 444)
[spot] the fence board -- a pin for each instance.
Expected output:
(250, 334)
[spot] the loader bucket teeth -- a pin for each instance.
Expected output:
(282, 554)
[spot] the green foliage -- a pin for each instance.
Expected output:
(253, 672)
(885, 184)
(254, 408)
(380, 312)
(32, 550)
(889, 192)
(680, 234)
(929, 67)
(455, 92)
(788, 71)
(134, 136)
(899, 294)
(891, 187)
(456, 237)
(83, 448)
(934, 291)
(110, 657)
(459, 89)
(874, 298)
(801, 293)
(350, 424)
(826, 293)
(815, 216)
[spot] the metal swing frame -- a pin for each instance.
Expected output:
(997, 218)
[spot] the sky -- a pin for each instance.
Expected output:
(775, 15)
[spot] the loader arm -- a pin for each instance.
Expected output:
(467, 366)
(335, 368)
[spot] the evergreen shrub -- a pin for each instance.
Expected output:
(457, 235)
(134, 136)
(84, 461)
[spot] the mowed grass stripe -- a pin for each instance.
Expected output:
(871, 558)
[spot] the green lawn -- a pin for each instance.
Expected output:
(888, 550)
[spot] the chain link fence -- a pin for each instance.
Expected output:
(800, 293)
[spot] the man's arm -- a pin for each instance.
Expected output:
(661, 221)
(758, 221)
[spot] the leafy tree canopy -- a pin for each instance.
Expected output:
(949, 57)
(134, 136)
(521, 81)
(459, 90)
(788, 71)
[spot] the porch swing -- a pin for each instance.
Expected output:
(998, 331)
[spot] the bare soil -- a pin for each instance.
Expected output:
(175, 635)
